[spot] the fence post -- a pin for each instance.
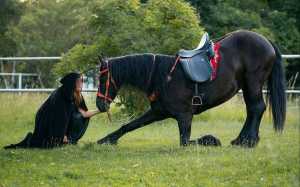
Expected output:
(20, 81)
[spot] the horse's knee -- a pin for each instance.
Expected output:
(257, 108)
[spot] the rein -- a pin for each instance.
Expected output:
(169, 77)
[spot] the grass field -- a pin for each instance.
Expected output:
(150, 156)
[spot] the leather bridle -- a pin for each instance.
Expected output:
(106, 71)
(109, 80)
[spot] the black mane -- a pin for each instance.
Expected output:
(136, 69)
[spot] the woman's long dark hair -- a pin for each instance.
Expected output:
(77, 95)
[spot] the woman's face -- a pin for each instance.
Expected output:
(79, 84)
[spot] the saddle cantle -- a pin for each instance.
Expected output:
(196, 62)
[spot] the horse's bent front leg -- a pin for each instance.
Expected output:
(147, 118)
(184, 125)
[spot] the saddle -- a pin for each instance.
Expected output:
(196, 65)
(196, 62)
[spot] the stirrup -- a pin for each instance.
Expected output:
(197, 98)
(197, 101)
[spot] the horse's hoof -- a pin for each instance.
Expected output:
(245, 141)
(107, 141)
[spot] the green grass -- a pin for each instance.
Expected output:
(150, 156)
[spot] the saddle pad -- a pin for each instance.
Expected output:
(214, 62)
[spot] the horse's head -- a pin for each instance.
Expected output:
(107, 89)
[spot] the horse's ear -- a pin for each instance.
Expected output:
(101, 58)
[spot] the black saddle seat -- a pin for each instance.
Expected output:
(196, 63)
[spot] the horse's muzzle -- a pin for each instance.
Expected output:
(102, 105)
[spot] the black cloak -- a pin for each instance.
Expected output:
(58, 116)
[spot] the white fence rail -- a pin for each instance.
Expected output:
(29, 58)
(290, 56)
(55, 58)
(46, 90)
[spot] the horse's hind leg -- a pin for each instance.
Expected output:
(147, 118)
(255, 106)
(184, 125)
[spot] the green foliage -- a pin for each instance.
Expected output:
(48, 28)
(277, 20)
(290, 7)
(171, 25)
(131, 27)
(284, 20)
(10, 11)
(132, 102)
(79, 58)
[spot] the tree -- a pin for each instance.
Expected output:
(125, 27)
(10, 11)
(285, 21)
(277, 20)
(49, 28)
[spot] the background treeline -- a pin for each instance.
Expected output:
(81, 29)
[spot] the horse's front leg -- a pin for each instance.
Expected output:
(147, 118)
(184, 125)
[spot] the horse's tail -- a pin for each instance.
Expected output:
(276, 95)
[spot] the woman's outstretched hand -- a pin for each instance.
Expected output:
(65, 140)
(88, 114)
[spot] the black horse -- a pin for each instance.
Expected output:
(248, 60)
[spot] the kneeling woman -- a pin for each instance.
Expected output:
(63, 118)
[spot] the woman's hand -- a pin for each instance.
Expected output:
(65, 140)
(88, 114)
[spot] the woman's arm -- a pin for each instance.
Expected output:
(88, 114)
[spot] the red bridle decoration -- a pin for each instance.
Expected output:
(109, 79)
